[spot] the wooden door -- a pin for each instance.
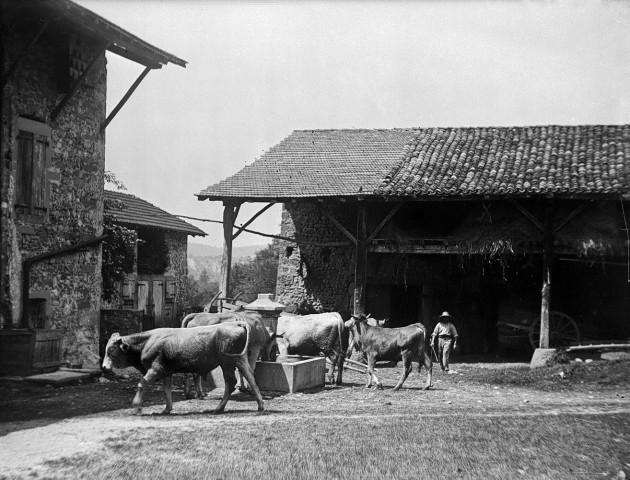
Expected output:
(143, 296)
(157, 295)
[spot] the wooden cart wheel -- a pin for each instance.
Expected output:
(562, 331)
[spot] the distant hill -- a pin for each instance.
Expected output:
(207, 257)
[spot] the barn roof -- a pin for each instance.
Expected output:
(587, 160)
(140, 213)
(317, 163)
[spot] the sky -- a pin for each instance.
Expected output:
(259, 70)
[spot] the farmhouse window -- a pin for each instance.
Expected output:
(33, 158)
(153, 252)
(37, 312)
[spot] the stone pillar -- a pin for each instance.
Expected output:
(268, 309)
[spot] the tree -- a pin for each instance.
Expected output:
(196, 294)
(204, 278)
(257, 275)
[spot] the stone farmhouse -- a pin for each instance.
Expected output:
(521, 233)
(153, 286)
(54, 86)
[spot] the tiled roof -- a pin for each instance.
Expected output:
(438, 162)
(317, 163)
(140, 213)
(593, 159)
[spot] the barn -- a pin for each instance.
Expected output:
(154, 283)
(519, 232)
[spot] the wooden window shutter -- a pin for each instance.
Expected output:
(171, 288)
(128, 289)
(38, 192)
(23, 184)
(33, 158)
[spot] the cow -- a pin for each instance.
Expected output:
(314, 334)
(161, 352)
(262, 343)
(391, 344)
(371, 321)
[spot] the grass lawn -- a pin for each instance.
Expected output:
(540, 447)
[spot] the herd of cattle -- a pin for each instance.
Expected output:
(236, 340)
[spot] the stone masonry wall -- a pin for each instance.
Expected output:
(70, 283)
(316, 278)
(177, 243)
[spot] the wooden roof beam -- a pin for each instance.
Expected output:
(337, 224)
(122, 102)
(528, 215)
(246, 224)
(572, 215)
(385, 221)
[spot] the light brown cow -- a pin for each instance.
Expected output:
(391, 344)
(262, 343)
(371, 321)
(160, 353)
(314, 334)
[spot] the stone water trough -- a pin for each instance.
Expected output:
(288, 373)
(291, 373)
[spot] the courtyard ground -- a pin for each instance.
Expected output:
(489, 420)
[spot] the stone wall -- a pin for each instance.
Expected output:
(70, 283)
(177, 243)
(316, 278)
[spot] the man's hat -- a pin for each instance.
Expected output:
(445, 315)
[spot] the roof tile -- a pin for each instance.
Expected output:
(529, 160)
(138, 212)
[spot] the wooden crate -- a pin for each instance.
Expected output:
(27, 352)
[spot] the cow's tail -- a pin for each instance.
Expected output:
(341, 328)
(248, 329)
(187, 319)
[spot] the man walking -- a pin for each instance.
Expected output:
(447, 337)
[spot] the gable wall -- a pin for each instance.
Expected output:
(70, 283)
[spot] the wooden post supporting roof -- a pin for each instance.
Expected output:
(548, 255)
(360, 266)
(548, 229)
(229, 216)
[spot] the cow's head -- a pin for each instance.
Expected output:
(355, 323)
(270, 352)
(357, 319)
(116, 353)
